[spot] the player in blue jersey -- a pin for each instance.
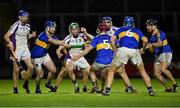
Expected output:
(163, 54)
(17, 41)
(121, 71)
(40, 56)
(129, 38)
(104, 53)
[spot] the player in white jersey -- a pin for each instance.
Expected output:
(76, 41)
(121, 71)
(64, 67)
(16, 39)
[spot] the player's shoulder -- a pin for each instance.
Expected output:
(42, 34)
(114, 28)
(15, 24)
(68, 37)
(162, 32)
(28, 25)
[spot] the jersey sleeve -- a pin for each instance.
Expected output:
(43, 37)
(14, 28)
(116, 34)
(67, 39)
(55, 37)
(139, 32)
(93, 42)
(162, 36)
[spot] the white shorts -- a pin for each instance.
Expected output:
(22, 54)
(124, 54)
(97, 66)
(80, 63)
(38, 62)
(164, 57)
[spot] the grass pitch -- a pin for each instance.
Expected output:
(65, 96)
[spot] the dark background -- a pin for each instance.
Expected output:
(88, 13)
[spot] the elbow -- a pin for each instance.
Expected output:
(160, 44)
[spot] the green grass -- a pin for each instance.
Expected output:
(66, 97)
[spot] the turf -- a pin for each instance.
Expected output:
(65, 96)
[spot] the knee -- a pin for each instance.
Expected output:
(53, 70)
(61, 74)
(31, 67)
(157, 74)
(163, 69)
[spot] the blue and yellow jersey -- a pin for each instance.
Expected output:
(128, 37)
(165, 46)
(104, 49)
(41, 46)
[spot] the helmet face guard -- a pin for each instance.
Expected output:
(129, 21)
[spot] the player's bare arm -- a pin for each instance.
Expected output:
(86, 51)
(145, 43)
(55, 42)
(58, 51)
(8, 41)
(113, 39)
(88, 36)
(33, 34)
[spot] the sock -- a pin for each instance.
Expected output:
(75, 83)
(84, 86)
(15, 88)
(150, 89)
(49, 82)
(93, 83)
(108, 89)
(26, 82)
(37, 86)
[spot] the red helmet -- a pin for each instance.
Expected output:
(103, 27)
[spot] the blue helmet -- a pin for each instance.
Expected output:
(50, 24)
(106, 18)
(129, 21)
(23, 13)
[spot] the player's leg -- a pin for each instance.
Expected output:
(84, 66)
(160, 78)
(52, 71)
(38, 79)
(26, 57)
(60, 77)
(120, 59)
(136, 59)
(70, 68)
(164, 66)
(15, 77)
(85, 72)
(146, 78)
(110, 78)
(103, 78)
(93, 80)
(128, 86)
